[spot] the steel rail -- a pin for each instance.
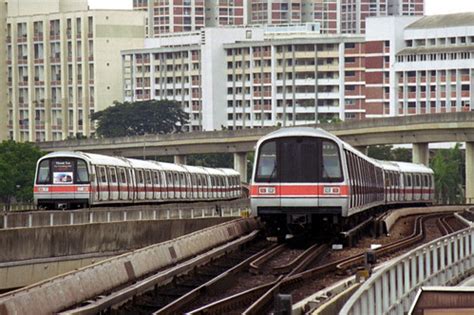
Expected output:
(256, 265)
(290, 280)
(214, 284)
(141, 286)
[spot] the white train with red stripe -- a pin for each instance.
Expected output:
(77, 180)
(306, 176)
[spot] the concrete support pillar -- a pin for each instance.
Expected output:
(180, 159)
(469, 172)
(240, 165)
(421, 153)
(362, 148)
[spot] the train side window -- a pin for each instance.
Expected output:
(43, 173)
(103, 174)
(140, 176)
(183, 180)
(113, 175)
(417, 180)
(426, 182)
(156, 178)
(193, 179)
(169, 177)
(409, 181)
(121, 176)
(148, 177)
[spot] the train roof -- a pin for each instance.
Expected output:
(171, 167)
(413, 167)
(143, 164)
(299, 131)
(229, 171)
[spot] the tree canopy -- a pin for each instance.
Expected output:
(448, 174)
(388, 153)
(140, 118)
(17, 169)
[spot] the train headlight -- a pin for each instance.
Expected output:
(332, 190)
(82, 189)
(266, 190)
(43, 189)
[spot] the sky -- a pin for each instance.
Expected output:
(431, 6)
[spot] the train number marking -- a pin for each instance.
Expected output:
(266, 190)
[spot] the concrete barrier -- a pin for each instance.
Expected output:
(57, 241)
(129, 213)
(396, 214)
(63, 291)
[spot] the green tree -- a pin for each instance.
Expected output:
(446, 165)
(225, 160)
(380, 152)
(402, 155)
(139, 118)
(17, 169)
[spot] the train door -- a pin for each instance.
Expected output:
(164, 185)
(424, 190)
(113, 184)
(156, 185)
(201, 182)
(122, 183)
(417, 188)
(103, 184)
(140, 184)
(182, 182)
(148, 185)
(95, 184)
(189, 186)
(132, 184)
(194, 193)
(171, 186)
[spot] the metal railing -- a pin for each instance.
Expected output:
(18, 219)
(392, 289)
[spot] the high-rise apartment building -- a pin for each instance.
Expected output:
(431, 62)
(292, 81)
(188, 68)
(324, 12)
(353, 13)
(334, 16)
(171, 16)
(251, 77)
(55, 62)
(3, 71)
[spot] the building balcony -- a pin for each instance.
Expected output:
(264, 107)
(53, 37)
(38, 37)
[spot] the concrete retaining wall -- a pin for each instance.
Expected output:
(63, 291)
(57, 241)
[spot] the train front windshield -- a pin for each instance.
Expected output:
(299, 160)
(62, 171)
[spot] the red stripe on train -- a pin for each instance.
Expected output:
(299, 190)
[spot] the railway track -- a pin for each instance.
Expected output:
(213, 285)
(261, 297)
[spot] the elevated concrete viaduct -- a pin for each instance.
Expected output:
(419, 130)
